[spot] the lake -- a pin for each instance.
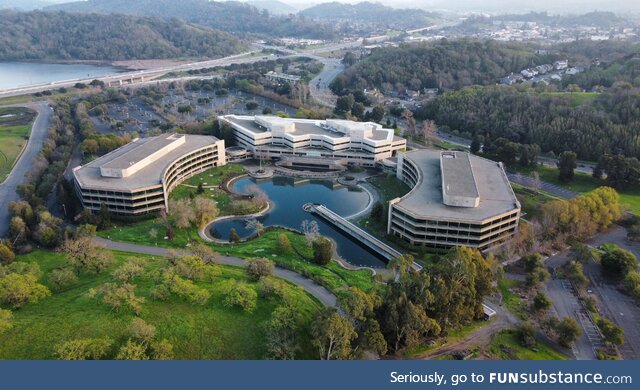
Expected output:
(21, 74)
(289, 195)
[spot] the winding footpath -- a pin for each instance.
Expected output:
(325, 296)
(25, 162)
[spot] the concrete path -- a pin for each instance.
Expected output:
(23, 165)
(322, 294)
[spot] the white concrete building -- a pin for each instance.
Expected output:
(138, 177)
(360, 143)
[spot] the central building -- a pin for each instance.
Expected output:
(358, 143)
(456, 199)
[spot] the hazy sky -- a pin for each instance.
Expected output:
(493, 6)
(502, 6)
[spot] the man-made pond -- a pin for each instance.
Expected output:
(22, 74)
(289, 195)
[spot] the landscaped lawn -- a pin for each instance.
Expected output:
(332, 276)
(210, 180)
(212, 331)
(389, 187)
(530, 200)
(506, 346)
(15, 126)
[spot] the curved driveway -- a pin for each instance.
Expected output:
(23, 165)
(322, 294)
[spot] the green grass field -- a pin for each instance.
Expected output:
(510, 300)
(15, 126)
(210, 178)
(332, 276)
(577, 98)
(212, 331)
(389, 187)
(506, 346)
(530, 200)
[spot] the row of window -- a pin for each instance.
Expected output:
(422, 223)
(417, 234)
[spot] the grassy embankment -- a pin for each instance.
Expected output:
(506, 346)
(211, 331)
(331, 276)
(15, 127)
(510, 299)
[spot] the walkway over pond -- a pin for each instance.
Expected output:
(354, 231)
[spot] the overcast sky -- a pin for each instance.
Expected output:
(502, 6)
(493, 6)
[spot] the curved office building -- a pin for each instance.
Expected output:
(456, 199)
(138, 177)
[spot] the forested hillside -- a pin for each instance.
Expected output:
(444, 64)
(65, 36)
(374, 13)
(605, 75)
(231, 16)
(589, 124)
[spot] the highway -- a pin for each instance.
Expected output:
(319, 85)
(23, 165)
(141, 76)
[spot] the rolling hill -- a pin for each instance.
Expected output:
(230, 16)
(54, 36)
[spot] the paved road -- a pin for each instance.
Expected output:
(555, 190)
(247, 57)
(322, 294)
(23, 165)
(319, 85)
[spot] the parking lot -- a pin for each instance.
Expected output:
(136, 115)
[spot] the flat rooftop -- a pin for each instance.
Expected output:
(309, 127)
(457, 174)
(426, 198)
(90, 176)
(139, 150)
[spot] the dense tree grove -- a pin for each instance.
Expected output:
(367, 12)
(447, 64)
(232, 16)
(608, 123)
(65, 36)
(578, 218)
(421, 305)
(626, 69)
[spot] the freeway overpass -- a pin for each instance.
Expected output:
(143, 76)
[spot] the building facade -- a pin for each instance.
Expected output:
(356, 143)
(138, 177)
(456, 199)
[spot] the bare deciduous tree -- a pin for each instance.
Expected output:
(311, 230)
